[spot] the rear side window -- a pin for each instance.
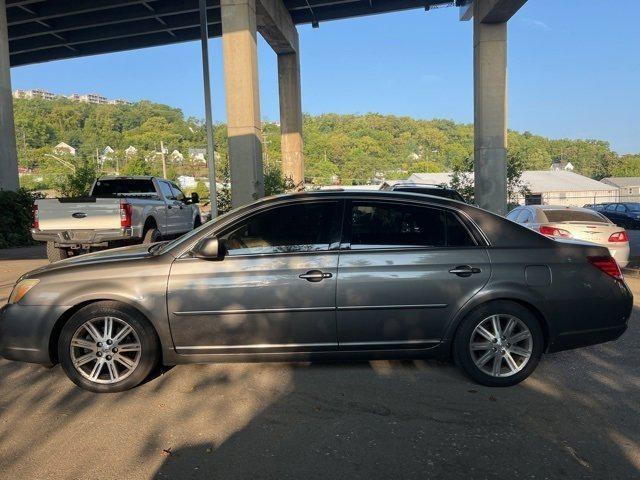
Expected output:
(122, 187)
(382, 225)
(555, 216)
(306, 227)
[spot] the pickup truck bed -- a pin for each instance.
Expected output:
(115, 216)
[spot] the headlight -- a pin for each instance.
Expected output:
(21, 289)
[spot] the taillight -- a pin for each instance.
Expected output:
(619, 237)
(125, 214)
(608, 265)
(554, 232)
(36, 218)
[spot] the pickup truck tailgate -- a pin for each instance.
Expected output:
(92, 214)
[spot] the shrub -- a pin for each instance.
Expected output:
(17, 218)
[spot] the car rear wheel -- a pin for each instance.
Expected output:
(499, 344)
(55, 254)
(108, 347)
(152, 235)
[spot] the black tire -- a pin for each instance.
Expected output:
(55, 254)
(149, 345)
(151, 235)
(462, 339)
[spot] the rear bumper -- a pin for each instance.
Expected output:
(25, 332)
(75, 238)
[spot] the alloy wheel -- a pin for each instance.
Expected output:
(501, 345)
(105, 350)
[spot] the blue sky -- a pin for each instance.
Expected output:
(574, 71)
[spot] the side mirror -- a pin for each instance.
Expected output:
(195, 198)
(209, 248)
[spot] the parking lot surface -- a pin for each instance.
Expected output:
(578, 416)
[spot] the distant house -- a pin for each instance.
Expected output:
(64, 149)
(559, 165)
(629, 187)
(186, 181)
(198, 154)
(547, 187)
(130, 151)
(176, 156)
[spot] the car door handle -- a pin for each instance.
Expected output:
(315, 276)
(464, 270)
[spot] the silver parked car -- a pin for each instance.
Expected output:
(574, 222)
(324, 275)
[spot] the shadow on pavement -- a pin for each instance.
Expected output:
(577, 417)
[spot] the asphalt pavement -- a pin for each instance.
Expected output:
(577, 417)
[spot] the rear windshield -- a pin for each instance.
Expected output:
(574, 216)
(123, 187)
(436, 192)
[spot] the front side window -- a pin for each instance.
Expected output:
(305, 227)
(621, 208)
(165, 188)
(379, 225)
(176, 192)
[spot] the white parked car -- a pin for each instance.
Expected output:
(574, 222)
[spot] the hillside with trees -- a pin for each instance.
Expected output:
(352, 149)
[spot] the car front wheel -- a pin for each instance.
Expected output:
(499, 344)
(108, 347)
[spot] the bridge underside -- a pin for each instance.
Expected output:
(33, 31)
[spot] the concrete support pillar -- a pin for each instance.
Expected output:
(239, 37)
(8, 151)
(490, 112)
(291, 116)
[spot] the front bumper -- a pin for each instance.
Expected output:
(25, 332)
(73, 238)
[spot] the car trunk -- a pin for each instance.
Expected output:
(590, 232)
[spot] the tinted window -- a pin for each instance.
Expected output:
(573, 216)
(611, 208)
(121, 187)
(621, 208)
(293, 228)
(385, 225)
(634, 207)
(165, 188)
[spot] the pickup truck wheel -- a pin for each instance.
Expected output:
(55, 254)
(152, 235)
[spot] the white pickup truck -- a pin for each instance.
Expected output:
(118, 211)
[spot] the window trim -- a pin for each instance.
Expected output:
(345, 244)
(333, 244)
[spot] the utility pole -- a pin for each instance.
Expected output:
(164, 160)
(211, 161)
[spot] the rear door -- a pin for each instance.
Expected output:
(405, 270)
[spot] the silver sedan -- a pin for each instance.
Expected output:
(574, 222)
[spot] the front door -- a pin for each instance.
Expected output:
(405, 270)
(274, 290)
(174, 215)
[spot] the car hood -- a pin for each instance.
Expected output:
(132, 252)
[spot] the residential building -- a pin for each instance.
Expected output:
(186, 181)
(198, 154)
(64, 149)
(35, 93)
(130, 151)
(546, 187)
(120, 101)
(558, 165)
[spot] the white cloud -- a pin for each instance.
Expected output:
(536, 23)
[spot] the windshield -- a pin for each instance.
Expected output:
(123, 187)
(558, 216)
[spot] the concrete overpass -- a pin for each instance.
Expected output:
(33, 31)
